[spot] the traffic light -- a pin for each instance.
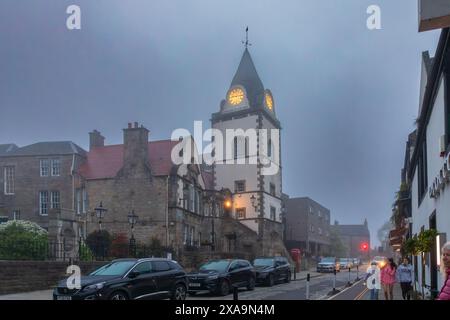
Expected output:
(364, 246)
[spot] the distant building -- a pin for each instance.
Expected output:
(307, 226)
(353, 237)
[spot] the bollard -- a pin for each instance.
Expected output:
(295, 273)
(349, 284)
(308, 278)
(357, 273)
(334, 291)
(235, 293)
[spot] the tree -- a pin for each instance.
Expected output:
(337, 248)
(23, 240)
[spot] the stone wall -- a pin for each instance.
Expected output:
(23, 276)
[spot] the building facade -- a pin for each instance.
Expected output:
(307, 226)
(247, 154)
(430, 163)
(354, 237)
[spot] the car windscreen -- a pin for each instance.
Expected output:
(266, 262)
(116, 268)
(328, 260)
(219, 265)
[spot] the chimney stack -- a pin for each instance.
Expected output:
(96, 140)
(135, 142)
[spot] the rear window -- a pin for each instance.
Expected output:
(160, 266)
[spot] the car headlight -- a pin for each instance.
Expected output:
(96, 286)
(213, 277)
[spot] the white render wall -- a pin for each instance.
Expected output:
(421, 215)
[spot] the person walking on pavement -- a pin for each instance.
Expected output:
(372, 280)
(388, 279)
(445, 270)
(404, 277)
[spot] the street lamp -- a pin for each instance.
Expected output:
(132, 219)
(253, 201)
(100, 211)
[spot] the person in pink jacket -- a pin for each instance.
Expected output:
(445, 269)
(388, 279)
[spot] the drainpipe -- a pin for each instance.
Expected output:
(167, 212)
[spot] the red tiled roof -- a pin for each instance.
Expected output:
(105, 162)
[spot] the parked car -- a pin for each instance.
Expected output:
(124, 279)
(270, 270)
(380, 260)
(329, 264)
(346, 263)
(219, 276)
(357, 261)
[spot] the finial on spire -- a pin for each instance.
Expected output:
(246, 43)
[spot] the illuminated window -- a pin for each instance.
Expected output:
(269, 101)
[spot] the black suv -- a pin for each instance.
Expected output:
(270, 270)
(219, 276)
(125, 279)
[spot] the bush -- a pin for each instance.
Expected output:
(120, 246)
(23, 240)
(99, 242)
(85, 253)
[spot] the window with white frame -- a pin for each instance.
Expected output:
(191, 236)
(43, 202)
(239, 186)
(8, 178)
(240, 213)
(319, 230)
(16, 215)
(55, 200)
(273, 213)
(56, 167)
(78, 201)
(44, 167)
(185, 234)
(85, 200)
(310, 210)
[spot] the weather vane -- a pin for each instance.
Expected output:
(246, 43)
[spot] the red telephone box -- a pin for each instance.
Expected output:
(296, 256)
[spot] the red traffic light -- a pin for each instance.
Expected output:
(364, 246)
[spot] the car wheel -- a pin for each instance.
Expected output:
(288, 278)
(251, 284)
(118, 295)
(179, 293)
(270, 280)
(224, 288)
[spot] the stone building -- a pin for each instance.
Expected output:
(353, 237)
(38, 185)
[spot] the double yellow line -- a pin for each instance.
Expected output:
(359, 296)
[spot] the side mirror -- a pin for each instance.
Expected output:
(133, 274)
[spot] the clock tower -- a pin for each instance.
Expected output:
(251, 166)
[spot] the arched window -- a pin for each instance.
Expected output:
(235, 147)
(269, 148)
(246, 146)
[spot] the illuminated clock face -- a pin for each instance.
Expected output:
(269, 101)
(235, 96)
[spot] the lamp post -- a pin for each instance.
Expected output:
(132, 219)
(100, 211)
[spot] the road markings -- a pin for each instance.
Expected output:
(358, 297)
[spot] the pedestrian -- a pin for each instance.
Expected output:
(372, 280)
(445, 271)
(388, 279)
(404, 275)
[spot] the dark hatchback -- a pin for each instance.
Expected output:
(219, 276)
(126, 279)
(270, 270)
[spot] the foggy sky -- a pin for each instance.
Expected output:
(346, 97)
